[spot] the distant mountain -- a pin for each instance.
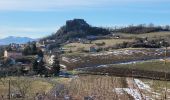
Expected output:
(13, 39)
(76, 28)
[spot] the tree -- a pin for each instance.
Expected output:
(35, 65)
(33, 48)
(56, 65)
(27, 50)
(41, 67)
(38, 66)
(40, 53)
(22, 86)
(30, 49)
(167, 27)
(1, 52)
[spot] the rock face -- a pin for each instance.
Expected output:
(76, 24)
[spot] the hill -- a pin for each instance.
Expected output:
(12, 39)
(76, 28)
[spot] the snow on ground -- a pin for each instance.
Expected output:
(64, 66)
(133, 92)
(129, 52)
(116, 53)
(142, 85)
(107, 65)
(69, 60)
(65, 59)
(119, 52)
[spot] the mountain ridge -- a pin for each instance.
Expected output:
(15, 39)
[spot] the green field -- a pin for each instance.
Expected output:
(159, 66)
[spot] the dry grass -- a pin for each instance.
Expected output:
(108, 42)
(158, 88)
(30, 86)
(111, 42)
(152, 65)
(97, 87)
(149, 35)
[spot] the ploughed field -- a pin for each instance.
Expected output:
(111, 57)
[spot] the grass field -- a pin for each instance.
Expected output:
(158, 88)
(151, 65)
(108, 42)
(149, 35)
(111, 42)
(159, 66)
(97, 87)
(28, 86)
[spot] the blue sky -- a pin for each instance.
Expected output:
(39, 18)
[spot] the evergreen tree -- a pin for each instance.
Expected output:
(38, 66)
(33, 48)
(56, 65)
(27, 50)
(35, 65)
(40, 53)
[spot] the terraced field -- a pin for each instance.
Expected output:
(111, 57)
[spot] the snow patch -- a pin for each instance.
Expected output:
(65, 59)
(142, 85)
(64, 66)
(133, 92)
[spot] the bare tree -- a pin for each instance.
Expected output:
(21, 86)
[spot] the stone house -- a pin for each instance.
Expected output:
(12, 54)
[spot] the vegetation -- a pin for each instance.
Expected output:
(158, 66)
(56, 65)
(30, 49)
(144, 43)
(140, 29)
(24, 88)
(106, 43)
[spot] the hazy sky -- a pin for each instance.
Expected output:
(38, 18)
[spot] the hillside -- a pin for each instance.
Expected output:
(141, 29)
(76, 28)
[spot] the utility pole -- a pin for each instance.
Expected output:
(165, 73)
(9, 90)
(165, 55)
